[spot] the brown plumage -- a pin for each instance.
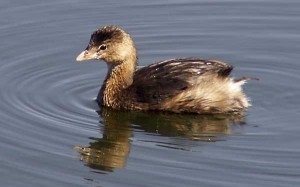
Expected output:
(178, 85)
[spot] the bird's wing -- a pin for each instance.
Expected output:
(163, 80)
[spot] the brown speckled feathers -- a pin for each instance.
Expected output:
(163, 80)
(179, 85)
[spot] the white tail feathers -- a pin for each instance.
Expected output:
(241, 81)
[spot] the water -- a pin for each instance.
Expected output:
(54, 134)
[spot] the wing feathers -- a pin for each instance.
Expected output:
(163, 80)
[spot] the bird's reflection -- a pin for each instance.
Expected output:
(111, 151)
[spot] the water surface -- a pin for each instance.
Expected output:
(54, 134)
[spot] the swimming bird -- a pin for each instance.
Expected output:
(195, 85)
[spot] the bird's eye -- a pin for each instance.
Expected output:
(102, 47)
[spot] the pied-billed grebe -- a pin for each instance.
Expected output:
(178, 85)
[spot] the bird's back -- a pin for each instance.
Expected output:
(186, 85)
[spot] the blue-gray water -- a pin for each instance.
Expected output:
(52, 135)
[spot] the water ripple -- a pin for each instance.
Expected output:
(47, 103)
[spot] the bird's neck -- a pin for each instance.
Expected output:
(118, 78)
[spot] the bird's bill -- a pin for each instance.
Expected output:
(86, 55)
